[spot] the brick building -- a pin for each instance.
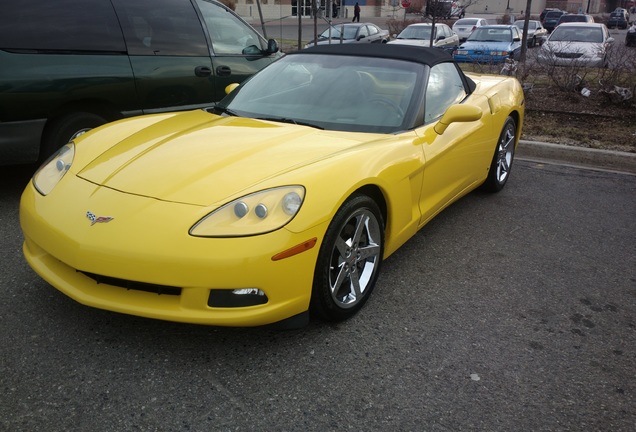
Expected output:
(274, 9)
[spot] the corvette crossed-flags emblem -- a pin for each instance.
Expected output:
(97, 219)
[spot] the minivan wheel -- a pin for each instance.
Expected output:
(65, 128)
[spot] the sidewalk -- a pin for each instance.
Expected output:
(577, 156)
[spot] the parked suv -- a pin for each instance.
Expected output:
(552, 18)
(71, 65)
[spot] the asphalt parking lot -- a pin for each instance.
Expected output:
(507, 312)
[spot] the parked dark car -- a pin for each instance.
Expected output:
(544, 12)
(630, 37)
(576, 18)
(619, 19)
(552, 18)
(71, 65)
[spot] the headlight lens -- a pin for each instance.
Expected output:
(258, 213)
(52, 171)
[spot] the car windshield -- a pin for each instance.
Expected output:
(466, 21)
(532, 25)
(577, 34)
(349, 32)
(553, 14)
(484, 34)
(415, 32)
(334, 92)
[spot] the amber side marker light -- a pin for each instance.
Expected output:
(304, 246)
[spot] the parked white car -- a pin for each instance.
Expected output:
(577, 44)
(420, 35)
(465, 26)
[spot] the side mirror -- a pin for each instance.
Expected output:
(272, 46)
(610, 40)
(230, 87)
(457, 114)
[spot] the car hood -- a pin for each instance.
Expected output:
(200, 158)
(415, 42)
(588, 48)
(477, 45)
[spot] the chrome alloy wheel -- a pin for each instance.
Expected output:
(354, 258)
(505, 152)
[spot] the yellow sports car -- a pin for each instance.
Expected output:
(281, 201)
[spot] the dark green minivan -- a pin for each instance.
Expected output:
(67, 66)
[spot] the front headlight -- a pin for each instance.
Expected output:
(257, 213)
(52, 171)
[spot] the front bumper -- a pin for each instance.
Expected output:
(479, 58)
(147, 243)
(553, 60)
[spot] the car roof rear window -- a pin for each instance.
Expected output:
(466, 21)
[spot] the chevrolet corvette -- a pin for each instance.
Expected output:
(280, 202)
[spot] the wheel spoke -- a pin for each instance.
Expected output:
(341, 246)
(361, 227)
(340, 278)
(372, 250)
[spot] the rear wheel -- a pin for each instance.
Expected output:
(502, 159)
(349, 260)
(65, 128)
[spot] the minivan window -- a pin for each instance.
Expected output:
(60, 25)
(161, 28)
(228, 33)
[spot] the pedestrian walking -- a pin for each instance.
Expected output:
(356, 13)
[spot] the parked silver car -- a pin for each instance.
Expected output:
(420, 35)
(465, 26)
(577, 44)
(537, 34)
(352, 33)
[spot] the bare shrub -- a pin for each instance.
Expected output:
(622, 63)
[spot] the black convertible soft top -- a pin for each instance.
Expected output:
(427, 56)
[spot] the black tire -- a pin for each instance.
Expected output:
(63, 129)
(502, 159)
(533, 43)
(349, 260)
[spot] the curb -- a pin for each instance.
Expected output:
(581, 156)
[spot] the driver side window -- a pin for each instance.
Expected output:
(445, 88)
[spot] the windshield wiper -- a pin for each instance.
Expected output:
(290, 120)
(224, 110)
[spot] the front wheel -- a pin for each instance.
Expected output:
(502, 159)
(349, 260)
(64, 129)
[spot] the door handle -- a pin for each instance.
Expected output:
(202, 71)
(223, 71)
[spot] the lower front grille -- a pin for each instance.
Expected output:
(133, 285)
(568, 55)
